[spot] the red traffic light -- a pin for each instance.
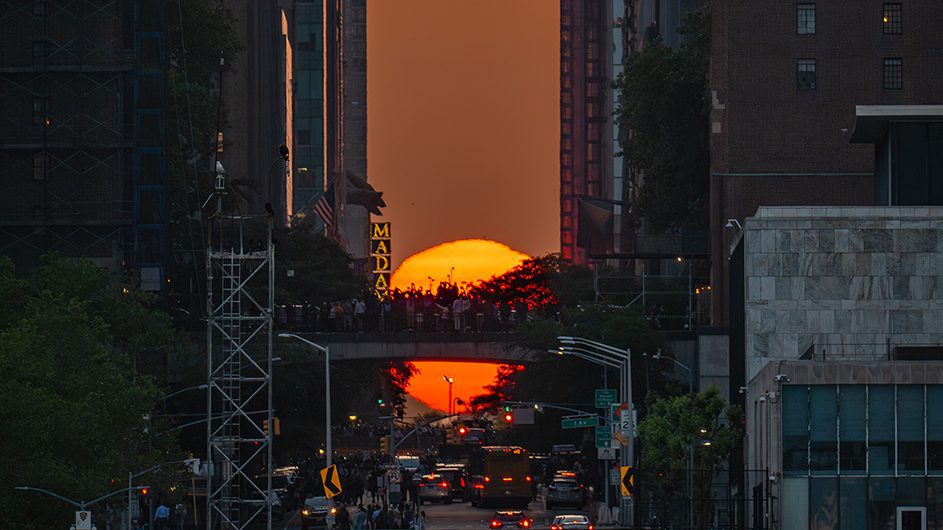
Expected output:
(509, 417)
(463, 430)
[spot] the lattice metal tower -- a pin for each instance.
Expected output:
(240, 298)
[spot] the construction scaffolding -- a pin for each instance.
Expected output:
(240, 299)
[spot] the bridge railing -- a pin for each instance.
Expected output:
(478, 318)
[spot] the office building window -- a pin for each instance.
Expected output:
(806, 74)
(893, 73)
(892, 22)
(805, 19)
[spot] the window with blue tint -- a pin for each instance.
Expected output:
(911, 491)
(853, 503)
(823, 503)
(882, 507)
(795, 411)
(935, 503)
(823, 430)
(795, 502)
(881, 430)
(935, 430)
(910, 430)
(852, 417)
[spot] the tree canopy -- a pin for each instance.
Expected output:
(74, 410)
(664, 114)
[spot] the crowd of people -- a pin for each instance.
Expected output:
(451, 308)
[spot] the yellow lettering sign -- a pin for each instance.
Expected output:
(381, 246)
(383, 281)
(381, 263)
(380, 230)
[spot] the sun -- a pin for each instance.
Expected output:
(462, 261)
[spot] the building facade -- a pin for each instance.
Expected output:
(782, 138)
(82, 134)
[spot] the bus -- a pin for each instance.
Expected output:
(500, 474)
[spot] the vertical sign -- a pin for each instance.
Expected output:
(380, 251)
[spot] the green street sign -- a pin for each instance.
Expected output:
(603, 437)
(579, 423)
(605, 397)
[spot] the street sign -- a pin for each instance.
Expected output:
(605, 397)
(628, 481)
(603, 437)
(625, 422)
(579, 422)
(331, 481)
(605, 453)
(393, 476)
(621, 438)
(83, 520)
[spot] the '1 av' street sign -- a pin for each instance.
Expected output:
(605, 397)
(578, 423)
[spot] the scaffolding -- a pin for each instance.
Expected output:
(240, 300)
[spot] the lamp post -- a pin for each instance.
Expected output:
(622, 357)
(172, 394)
(327, 390)
(449, 380)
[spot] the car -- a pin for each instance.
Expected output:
(315, 511)
(511, 519)
(565, 491)
(433, 488)
(455, 475)
(571, 522)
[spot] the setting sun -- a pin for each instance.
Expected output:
(463, 261)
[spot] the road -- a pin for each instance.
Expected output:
(463, 516)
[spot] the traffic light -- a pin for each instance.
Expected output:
(462, 430)
(508, 417)
(385, 444)
(144, 491)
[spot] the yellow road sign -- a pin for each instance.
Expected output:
(331, 481)
(628, 481)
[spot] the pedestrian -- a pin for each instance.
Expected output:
(162, 517)
(180, 511)
(359, 309)
(360, 518)
(343, 517)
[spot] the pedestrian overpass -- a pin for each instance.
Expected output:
(494, 347)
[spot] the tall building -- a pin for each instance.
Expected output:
(785, 80)
(82, 139)
(586, 104)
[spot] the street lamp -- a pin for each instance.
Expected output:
(327, 389)
(449, 380)
(172, 394)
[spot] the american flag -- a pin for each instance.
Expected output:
(325, 206)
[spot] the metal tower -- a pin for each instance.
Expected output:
(240, 296)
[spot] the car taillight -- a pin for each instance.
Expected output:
(496, 524)
(443, 484)
(422, 484)
(528, 479)
(461, 481)
(479, 486)
(507, 479)
(590, 527)
(487, 479)
(525, 524)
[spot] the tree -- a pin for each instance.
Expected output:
(75, 412)
(675, 426)
(322, 269)
(664, 114)
(543, 284)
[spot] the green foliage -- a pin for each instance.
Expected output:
(543, 283)
(677, 424)
(71, 405)
(322, 268)
(664, 103)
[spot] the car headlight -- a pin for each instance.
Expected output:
(333, 511)
(305, 512)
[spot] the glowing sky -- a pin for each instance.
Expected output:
(463, 123)
(463, 138)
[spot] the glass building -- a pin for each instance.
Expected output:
(309, 101)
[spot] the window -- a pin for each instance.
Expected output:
(823, 430)
(39, 167)
(795, 411)
(892, 22)
(805, 19)
(806, 74)
(851, 429)
(935, 430)
(910, 429)
(881, 430)
(893, 73)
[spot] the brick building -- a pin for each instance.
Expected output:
(785, 80)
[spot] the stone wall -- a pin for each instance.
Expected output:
(841, 283)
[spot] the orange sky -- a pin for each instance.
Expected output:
(463, 135)
(463, 123)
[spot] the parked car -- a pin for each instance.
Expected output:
(565, 491)
(571, 522)
(511, 519)
(434, 488)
